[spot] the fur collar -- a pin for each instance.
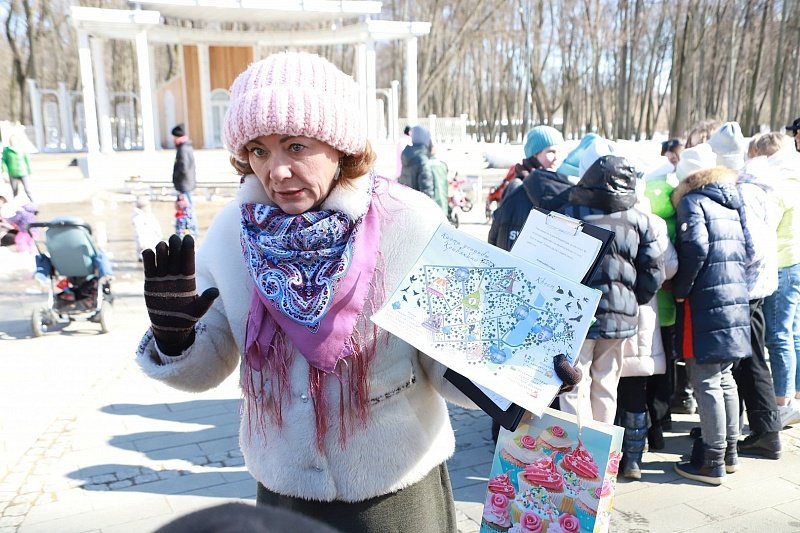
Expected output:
(351, 198)
(701, 178)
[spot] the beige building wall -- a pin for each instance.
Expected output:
(227, 62)
(194, 120)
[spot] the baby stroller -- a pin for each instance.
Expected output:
(77, 273)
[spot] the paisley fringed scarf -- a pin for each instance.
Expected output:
(313, 274)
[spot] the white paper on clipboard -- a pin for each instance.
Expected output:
(556, 242)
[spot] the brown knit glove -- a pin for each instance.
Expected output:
(171, 296)
(570, 375)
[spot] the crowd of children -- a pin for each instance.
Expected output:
(703, 282)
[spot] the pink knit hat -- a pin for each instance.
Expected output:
(294, 93)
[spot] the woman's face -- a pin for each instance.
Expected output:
(297, 172)
(548, 158)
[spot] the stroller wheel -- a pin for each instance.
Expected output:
(106, 317)
(489, 211)
(38, 326)
(454, 218)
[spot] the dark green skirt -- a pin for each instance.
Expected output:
(426, 506)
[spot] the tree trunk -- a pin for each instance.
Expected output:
(778, 71)
(750, 122)
(681, 90)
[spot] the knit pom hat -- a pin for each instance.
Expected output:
(729, 145)
(541, 137)
(699, 157)
(294, 93)
(420, 135)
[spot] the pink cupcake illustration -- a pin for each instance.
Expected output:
(580, 472)
(554, 440)
(501, 484)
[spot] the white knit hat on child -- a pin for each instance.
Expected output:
(699, 157)
(729, 145)
(294, 93)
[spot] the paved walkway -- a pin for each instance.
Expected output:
(88, 444)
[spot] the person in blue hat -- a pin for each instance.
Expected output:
(537, 185)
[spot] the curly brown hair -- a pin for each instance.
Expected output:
(353, 166)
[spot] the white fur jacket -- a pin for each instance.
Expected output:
(408, 431)
(644, 354)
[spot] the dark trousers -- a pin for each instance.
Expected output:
(683, 385)
(754, 380)
(632, 394)
(427, 505)
(661, 387)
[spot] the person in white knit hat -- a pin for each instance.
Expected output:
(340, 420)
(699, 157)
(729, 146)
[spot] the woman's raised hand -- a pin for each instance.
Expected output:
(170, 293)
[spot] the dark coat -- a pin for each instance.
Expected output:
(183, 171)
(633, 268)
(417, 173)
(711, 269)
(540, 188)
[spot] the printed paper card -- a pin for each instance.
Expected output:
(547, 476)
(492, 317)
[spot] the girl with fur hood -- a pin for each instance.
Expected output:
(713, 313)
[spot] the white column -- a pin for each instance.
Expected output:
(205, 93)
(65, 116)
(394, 111)
(157, 118)
(371, 88)
(432, 128)
(103, 105)
(145, 97)
(411, 80)
(87, 83)
(36, 111)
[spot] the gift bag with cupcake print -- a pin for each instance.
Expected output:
(551, 475)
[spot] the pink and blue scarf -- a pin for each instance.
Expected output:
(313, 274)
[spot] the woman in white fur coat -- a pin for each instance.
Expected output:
(340, 421)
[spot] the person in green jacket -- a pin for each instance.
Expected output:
(661, 387)
(441, 183)
(17, 165)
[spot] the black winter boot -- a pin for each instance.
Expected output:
(731, 458)
(635, 425)
(705, 465)
(655, 437)
(764, 444)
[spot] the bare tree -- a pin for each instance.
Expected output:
(627, 68)
(22, 33)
